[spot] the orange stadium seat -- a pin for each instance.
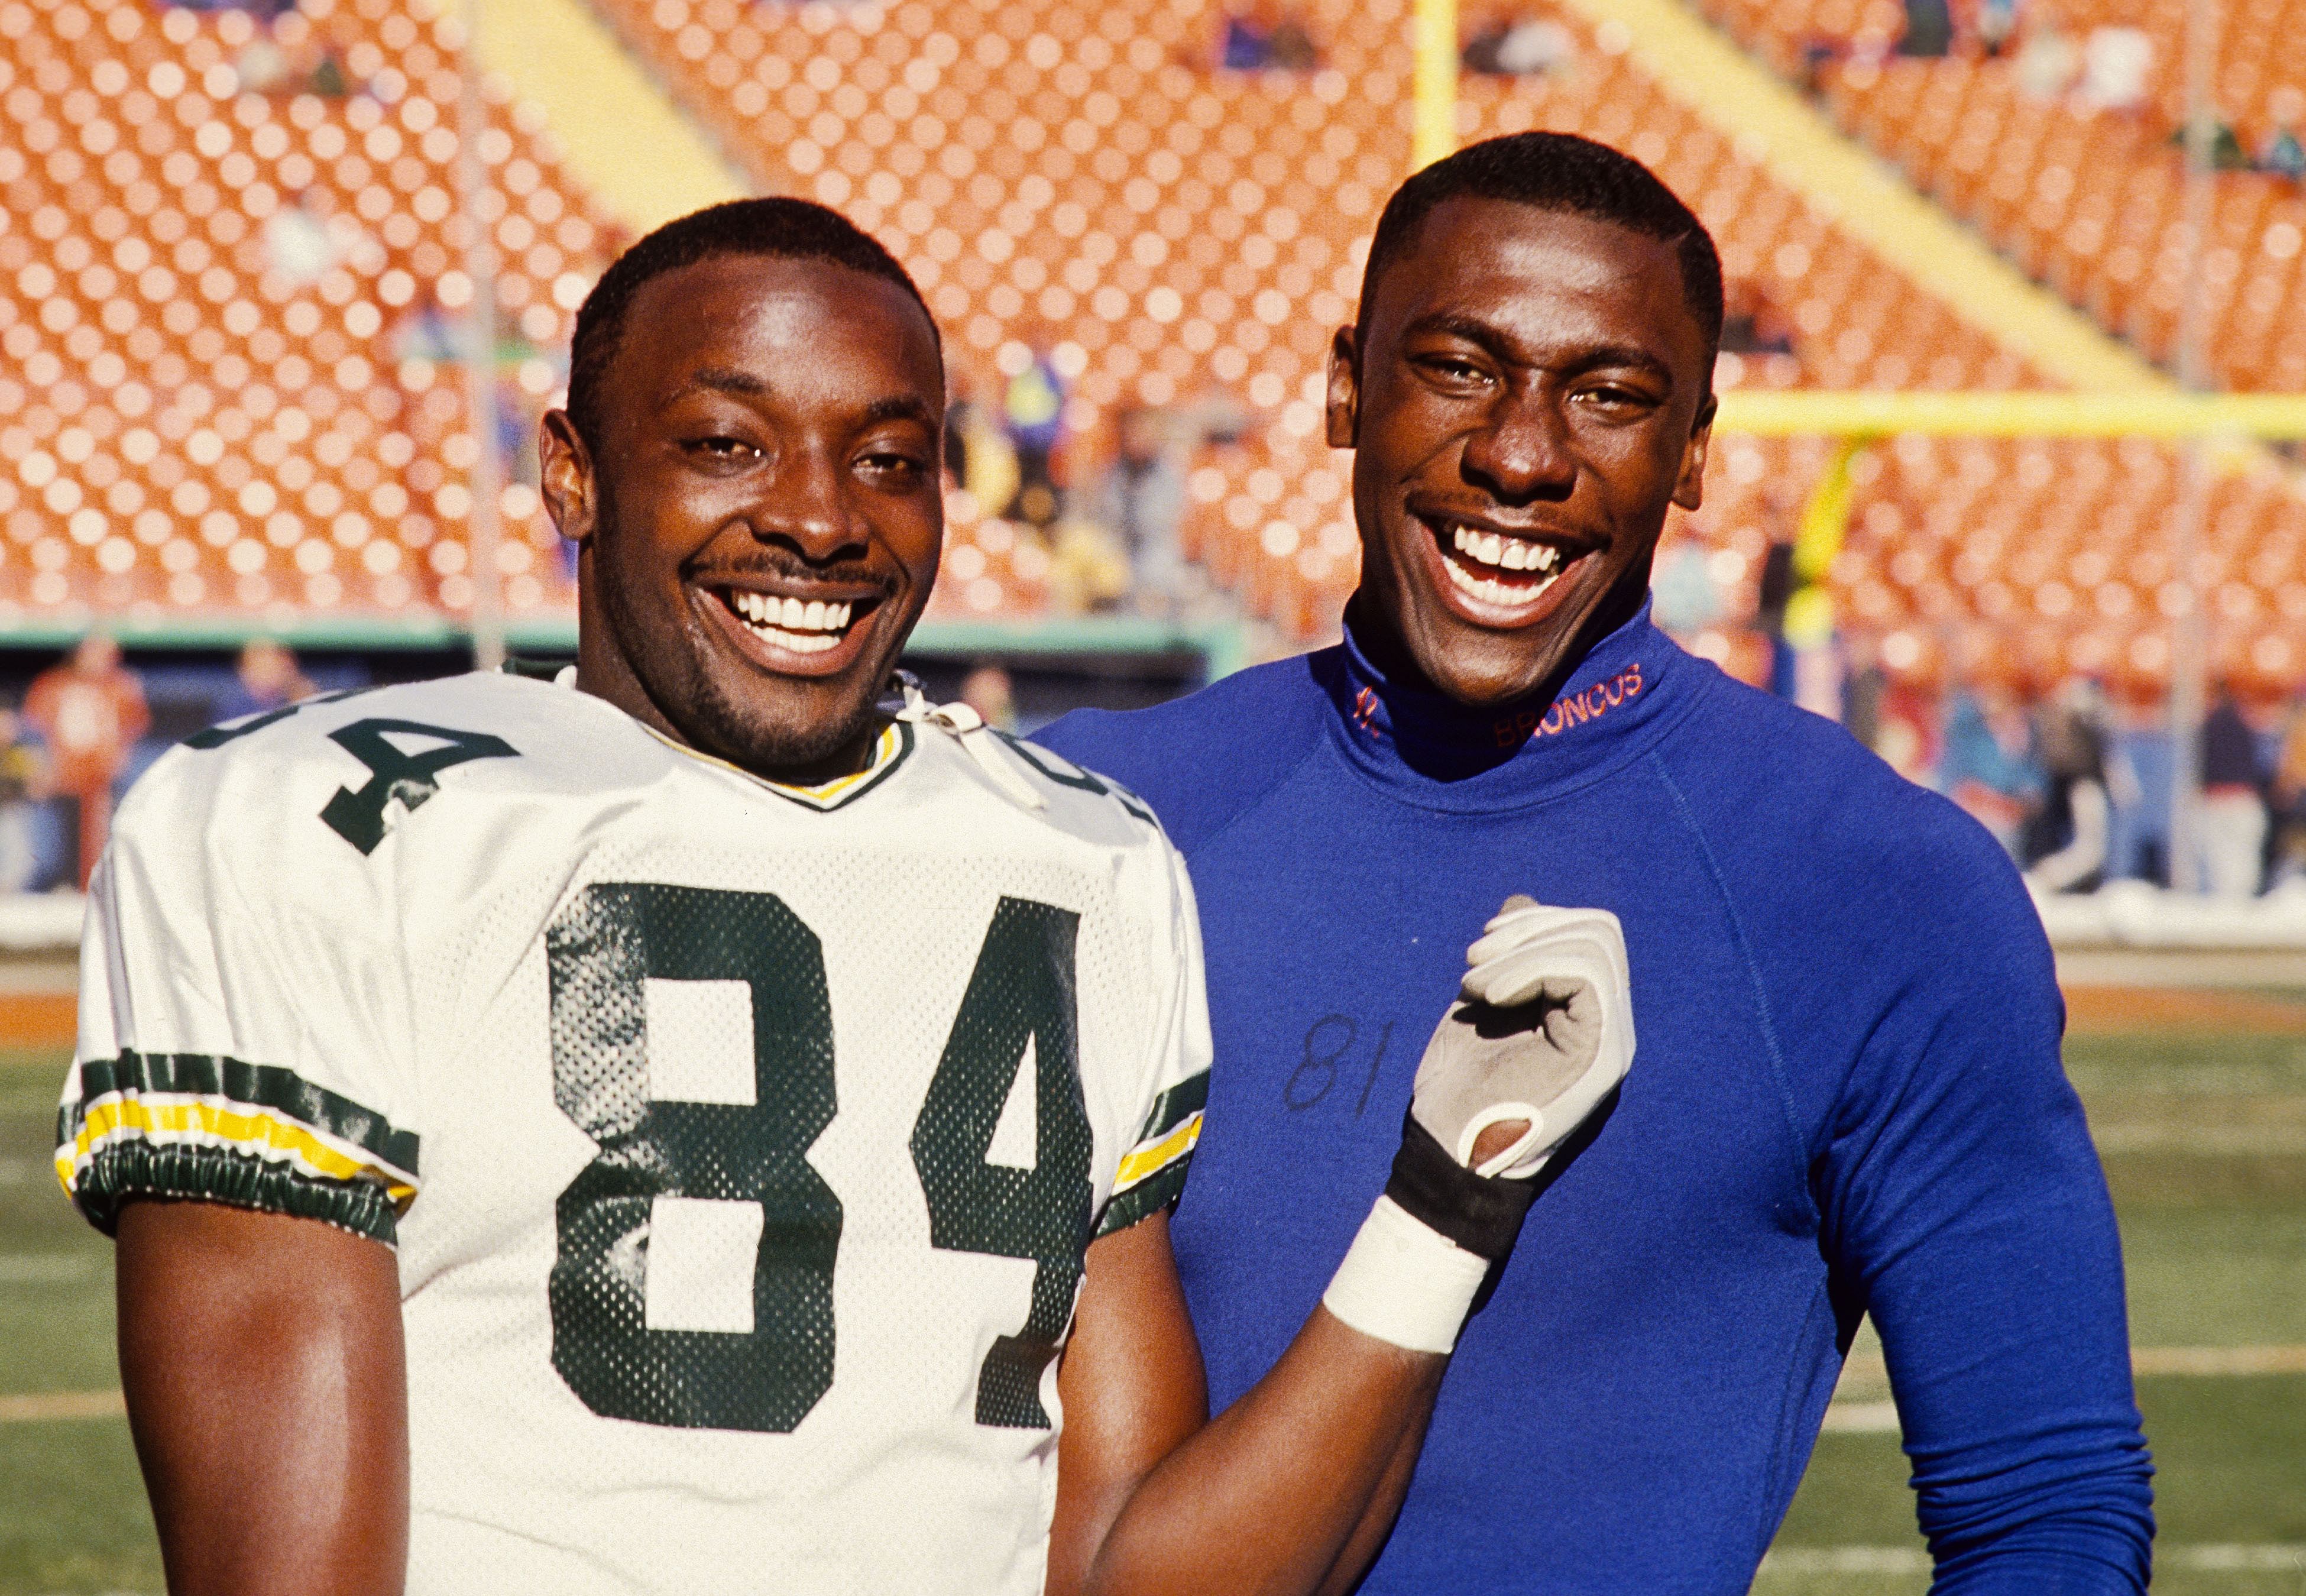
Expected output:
(2088, 200)
(210, 400)
(190, 429)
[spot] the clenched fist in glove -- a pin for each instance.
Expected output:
(1542, 1033)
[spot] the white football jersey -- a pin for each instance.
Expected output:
(740, 1142)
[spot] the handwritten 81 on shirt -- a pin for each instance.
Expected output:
(740, 1142)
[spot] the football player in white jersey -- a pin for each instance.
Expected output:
(682, 1127)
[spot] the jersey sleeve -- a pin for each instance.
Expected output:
(1151, 1174)
(241, 1020)
(1963, 1199)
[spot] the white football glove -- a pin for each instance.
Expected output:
(1543, 1031)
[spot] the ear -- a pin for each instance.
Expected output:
(1690, 487)
(565, 473)
(1344, 389)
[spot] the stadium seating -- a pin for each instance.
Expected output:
(2030, 559)
(221, 304)
(2089, 200)
(1083, 174)
(186, 428)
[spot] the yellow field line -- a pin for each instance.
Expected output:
(2219, 1359)
(2203, 1141)
(43, 1407)
(1861, 1418)
(1868, 1414)
(1879, 1415)
(2210, 1361)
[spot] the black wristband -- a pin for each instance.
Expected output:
(1481, 1213)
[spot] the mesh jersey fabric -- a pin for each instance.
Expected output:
(740, 1143)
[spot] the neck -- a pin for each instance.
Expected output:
(1381, 641)
(1403, 733)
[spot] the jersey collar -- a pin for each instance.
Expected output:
(1430, 750)
(889, 751)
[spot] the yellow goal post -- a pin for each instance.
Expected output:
(1860, 418)
(1782, 413)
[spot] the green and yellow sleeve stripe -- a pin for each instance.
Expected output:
(198, 1126)
(1151, 1174)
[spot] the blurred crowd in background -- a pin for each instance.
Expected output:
(2074, 777)
(1088, 505)
(2075, 781)
(2105, 67)
(1099, 518)
(87, 728)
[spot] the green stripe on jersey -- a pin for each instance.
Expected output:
(258, 1085)
(1159, 1190)
(1174, 1106)
(116, 1175)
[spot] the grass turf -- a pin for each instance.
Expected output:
(72, 1513)
(2215, 1246)
(2215, 1243)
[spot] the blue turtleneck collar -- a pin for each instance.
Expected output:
(1433, 749)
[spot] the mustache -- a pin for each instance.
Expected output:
(773, 563)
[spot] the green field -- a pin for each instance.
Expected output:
(2205, 1143)
(2206, 1140)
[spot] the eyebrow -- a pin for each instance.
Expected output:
(724, 380)
(895, 407)
(1472, 330)
(1625, 354)
(900, 407)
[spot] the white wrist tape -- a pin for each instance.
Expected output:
(1405, 1282)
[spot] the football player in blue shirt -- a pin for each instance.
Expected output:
(1849, 1099)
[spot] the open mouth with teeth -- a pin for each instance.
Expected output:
(806, 628)
(1498, 570)
(793, 636)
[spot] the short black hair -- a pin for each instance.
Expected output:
(1553, 171)
(781, 227)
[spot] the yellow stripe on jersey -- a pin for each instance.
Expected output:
(884, 750)
(1150, 1159)
(1152, 1173)
(208, 1128)
(223, 1123)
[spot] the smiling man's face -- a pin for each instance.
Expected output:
(760, 519)
(1533, 394)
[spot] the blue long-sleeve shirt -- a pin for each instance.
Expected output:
(1847, 1098)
